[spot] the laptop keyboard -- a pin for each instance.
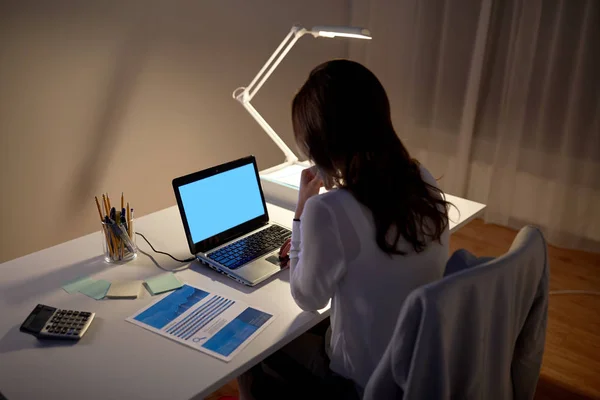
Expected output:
(251, 247)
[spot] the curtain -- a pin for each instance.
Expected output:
(501, 100)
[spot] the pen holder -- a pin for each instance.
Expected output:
(118, 245)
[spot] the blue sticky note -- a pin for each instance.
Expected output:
(78, 284)
(96, 290)
(163, 283)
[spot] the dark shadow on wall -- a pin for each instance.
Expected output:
(129, 62)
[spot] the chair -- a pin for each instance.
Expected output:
(478, 333)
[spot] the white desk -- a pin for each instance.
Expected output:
(280, 186)
(116, 359)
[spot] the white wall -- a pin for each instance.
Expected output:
(115, 96)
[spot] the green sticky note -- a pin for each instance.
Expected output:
(96, 290)
(163, 283)
(78, 284)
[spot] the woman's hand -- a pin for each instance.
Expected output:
(284, 253)
(310, 184)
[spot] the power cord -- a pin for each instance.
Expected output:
(162, 252)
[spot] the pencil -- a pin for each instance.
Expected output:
(122, 201)
(115, 245)
(107, 237)
(99, 212)
(105, 205)
(103, 227)
(129, 221)
(108, 200)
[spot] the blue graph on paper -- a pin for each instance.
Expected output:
(237, 331)
(171, 307)
(199, 318)
(205, 321)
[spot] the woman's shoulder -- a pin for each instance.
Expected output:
(332, 202)
(336, 202)
(426, 176)
(333, 197)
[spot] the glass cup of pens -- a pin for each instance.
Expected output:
(118, 236)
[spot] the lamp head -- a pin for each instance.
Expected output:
(340, 31)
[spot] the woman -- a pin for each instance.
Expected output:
(382, 232)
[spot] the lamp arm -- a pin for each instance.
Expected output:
(245, 94)
(289, 154)
(296, 33)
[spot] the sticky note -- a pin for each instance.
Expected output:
(76, 285)
(124, 290)
(163, 283)
(96, 290)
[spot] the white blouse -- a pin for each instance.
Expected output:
(334, 256)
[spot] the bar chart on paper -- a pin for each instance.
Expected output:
(208, 322)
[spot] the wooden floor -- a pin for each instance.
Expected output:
(571, 367)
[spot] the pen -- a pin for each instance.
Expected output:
(131, 225)
(106, 233)
(117, 221)
(129, 221)
(123, 220)
(110, 242)
(120, 233)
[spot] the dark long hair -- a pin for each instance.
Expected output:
(341, 119)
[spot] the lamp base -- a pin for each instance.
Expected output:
(281, 183)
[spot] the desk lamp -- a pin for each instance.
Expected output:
(280, 183)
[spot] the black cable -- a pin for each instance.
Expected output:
(162, 252)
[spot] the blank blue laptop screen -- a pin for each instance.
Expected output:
(220, 202)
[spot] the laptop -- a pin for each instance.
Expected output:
(226, 221)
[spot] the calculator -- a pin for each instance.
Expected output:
(47, 322)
